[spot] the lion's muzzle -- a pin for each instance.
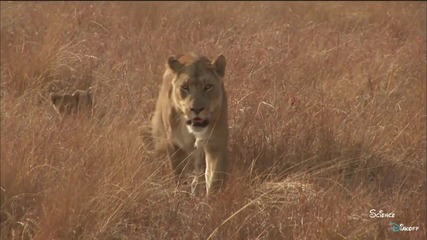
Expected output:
(198, 122)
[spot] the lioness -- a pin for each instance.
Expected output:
(190, 118)
(72, 103)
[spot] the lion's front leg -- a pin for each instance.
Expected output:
(197, 184)
(179, 160)
(216, 168)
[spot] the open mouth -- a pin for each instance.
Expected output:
(198, 122)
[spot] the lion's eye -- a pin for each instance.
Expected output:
(185, 87)
(208, 86)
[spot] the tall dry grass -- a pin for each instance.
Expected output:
(327, 118)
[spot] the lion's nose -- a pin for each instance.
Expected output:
(197, 110)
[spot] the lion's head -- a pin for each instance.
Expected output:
(72, 103)
(197, 88)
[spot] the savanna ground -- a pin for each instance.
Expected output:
(327, 111)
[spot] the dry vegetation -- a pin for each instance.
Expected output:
(327, 115)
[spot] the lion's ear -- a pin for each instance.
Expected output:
(219, 64)
(174, 64)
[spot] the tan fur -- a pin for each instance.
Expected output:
(185, 145)
(66, 104)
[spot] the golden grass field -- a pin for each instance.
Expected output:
(327, 111)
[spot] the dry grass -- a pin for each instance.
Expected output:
(327, 116)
